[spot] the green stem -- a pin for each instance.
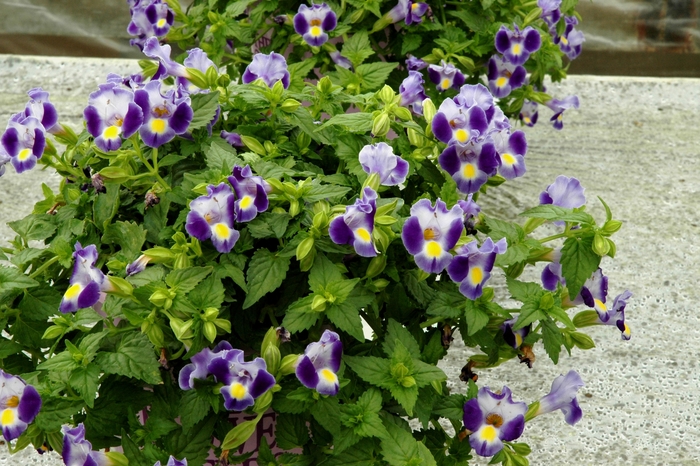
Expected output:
(154, 157)
(432, 321)
(44, 266)
(553, 237)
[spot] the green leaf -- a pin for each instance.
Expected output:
(134, 357)
(299, 316)
(475, 22)
(499, 229)
(406, 396)
(8, 348)
(523, 291)
(578, 262)
(266, 272)
(40, 303)
(451, 407)
(84, 380)
(447, 305)
(475, 316)
(129, 236)
(291, 431)
(209, 293)
(401, 449)
(410, 43)
(397, 332)
(193, 445)
(106, 205)
(529, 313)
(34, 227)
(425, 373)
(322, 273)
(373, 370)
(12, 279)
(192, 408)
(186, 279)
(61, 362)
(361, 454)
(352, 122)
(553, 212)
(374, 75)
(561, 315)
(358, 48)
(552, 339)
(325, 191)
(204, 106)
(219, 155)
(419, 289)
(56, 412)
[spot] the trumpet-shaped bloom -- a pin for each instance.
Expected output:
(563, 396)
(571, 41)
(317, 368)
(470, 165)
(430, 232)
(550, 11)
(243, 381)
(24, 141)
(166, 66)
(528, 113)
(492, 418)
(340, 60)
(445, 76)
(313, 24)
(212, 216)
(455, 123)
(511, 149)
(477, 95)
(471, 210)
(379, 158)
(19, 405)
(564, 192)
(149, 18)
(514, 337)
(251, 192)
(516, 45)
(197, 59)
(472, 266)
(412, 92)
(164, 115)
(77, 451)
(616, 315)
(415, 64)
(559, 106)
(40, 108)
(111, 115)
(172, 461)
(199, 367)
(411, 12)
(356, 225)
(594, 294)
(232, 138)
(86, 282)
(270, 68)
(503, 77)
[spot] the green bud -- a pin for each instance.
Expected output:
(399, 371)
(380, 283)
(212, 76)
(321, 206)
(586, 319)
(582, 341)
(201, 188)
(532, 411)
(223, 81)
(290, 106)
(209, 331)
(253, 144)
(307, 262)
(180, 240)
(407, 382)
(415, 138)
(116, 459)
(532, 16)
(487, 294)
(467, 63)
(376, 266)
(386, 94)
(198, 78)
(288, 365)
(276, 184)
(546, 301)
(403, 113)
(612, 226)
(381, 125)
(240, 434)
(385, 220)
(263, 402)
(210, 314)
(269, 147)
(213, 17)
(294, 208)
(515, 270)
(303, 140)
(159, 254)
(495, 180)
(223, 324)
(318, 304)
(388, 208)
(115, 174)
(290, 189)
(52, 332)
(320, 220)
(613, 248)
(437, 386)
(155, 334)
(429, 112)
(162, 298)
(531, 224)
(373, 181)
(181, 329)
(278, 89)
(181, 261)
(381, 238)
(600, 245)
(357, 16)
(439, 54)
(305, 247)
(120, 287)
(272, 358)
(325, 85)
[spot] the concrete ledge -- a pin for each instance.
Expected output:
(635, 143)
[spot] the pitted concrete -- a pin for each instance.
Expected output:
(634, 143)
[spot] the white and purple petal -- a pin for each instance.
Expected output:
(251, 192)
(270, 68)
(380, 158)
(356, 225)
(470, 165)
(212, 217)
(317, 368)
(564, 192)
(563, 396)
(445, 76)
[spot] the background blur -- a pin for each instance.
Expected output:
(623, 37)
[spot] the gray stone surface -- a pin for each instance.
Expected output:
(634, 143)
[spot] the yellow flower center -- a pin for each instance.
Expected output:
(469, 171)
(238, 391)
(7, 417)
(161, 23)
(316, 31)
(72, 291)
(476, 275)
(445, 83)
(24, 154)
(461, 135)
(12, 402)
(111, 132)
(246, 201)
(516, 49)
(500, 82)
(564, 40)
(329, 375)
(488, 433)
(527, 120)
(508, 159)
(221, 230)
(433, 249)
(158, 125)
(363, 234)
(600, 305)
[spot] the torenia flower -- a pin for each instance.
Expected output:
(571, 41)
(528, 113)
(251, 192)
(212, 216)
(199, 367)
(514, 337)
(594, 294)
(314, 23)
(472, 266)
(470, 165)
(415, 64)
(4, 159)
(243, 381)
(340, 60)
(445, 76)
(563, 396)
(559, 106)
(564, 192)
(173, 462)
(24, 141)
(471, 211)
(430, 232)
(164, 116)
(86, 282)
(270, 68)
(356, 225)
(166, 66)
(454, 123)
(317, 368)
(232, 138)
(492, 418)
(503, 77)
(380, 159)
(550, 11)
(43, 110)
(411, 12)
(19, 405)
(149, 18)
(511, 149)
(616, 315)
(516, 45)
(197, 59)
(111, 115)
(77, 451)
(412, 92)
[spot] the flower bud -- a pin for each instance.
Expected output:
(600, 245)
(210, 314)
(115, 174)
(253, 144)
(52, 332)
(241, 433)
(613, 248)
(120, 287)
(357, 15)
(181, 261)
(272, 358)
(278, 89)
(294, 208)
(303, 140)
(586, 319)
(288, 365)
(380, 283)
(162, 298)
(320, 220)
(212, 76)
(403, 113)
(263, 402)
(305, 247)
(582, 341)
(429, 112)
(415, 138)
(290, 105)
(307, 262)
(325, 85)
(318, 304)
(546, 301)
(197, 78)
(376, 266)
(372, 181)
(181, 329)
(386, 94)
(155, 334)
(612, 226)
(381, 125)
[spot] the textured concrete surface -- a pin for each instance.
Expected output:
(634, 142)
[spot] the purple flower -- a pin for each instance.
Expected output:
(166, 66)
(445, 76)
(470, 165)
(212, 216)
(270, 68)
(356, 225)
(412, 92)
(552, 275)
(251, 192)
(455, 123)
(528, 113)
(149, 18)
(564, 192)
(77, 451)
(379, 158)
(472, 266)
(594, 294)
(197, 59)
(563, 396)
(430, 232)
(232, 138)
(86, 282)
(409, 11)
(19, 405)
(317, 368)
(559, 106)
(4, 159)
(340, 60)
(516, 46)
(514, 337)
(40, 108)
(616, 315)
(199, 367)
(111, 115)
(503, 77)
(314, 23)
(415, 64)
(571, 41)
(173, 462)
(550, 11)
(492, 418)
(511, 150)
(164, 116)
(471, 209)
(24, 141)
(243, 381)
